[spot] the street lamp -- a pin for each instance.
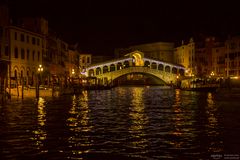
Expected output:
(40, 69)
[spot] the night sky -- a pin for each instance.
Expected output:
(100, 26)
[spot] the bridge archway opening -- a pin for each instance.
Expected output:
(174, 70)
(167, 69)
(98, 71)
(112, 67)
(91, 73)
(125, 64)
(160, 67)
(137, 78)
(147, 64)
(154, 65)
(181, 72)
(105, 69)
(119, 66)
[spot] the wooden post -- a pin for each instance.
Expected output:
(17, 86)
(37, 87)
(22, 86)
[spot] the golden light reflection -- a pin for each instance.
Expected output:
(40, 133)
(213, 124)
(138, 119)
(178, 120)
(78, 123)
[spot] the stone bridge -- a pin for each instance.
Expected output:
(108, 71)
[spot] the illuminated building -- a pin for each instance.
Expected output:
(185, 55)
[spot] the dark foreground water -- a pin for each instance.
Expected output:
(122, 123)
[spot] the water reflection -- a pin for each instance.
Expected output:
(139, 120)
(78, 123)
(213, 125)
(40, 133)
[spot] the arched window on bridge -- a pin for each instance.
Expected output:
(181, 72)
(147, 64)
(112, 67)
(98, 71)
(174, 70)
(126, 64)
(167, 69)
(119, 66)
(154, 65)
(160, 67)
(105, 69)
(91, 72)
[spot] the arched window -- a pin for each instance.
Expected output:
(98, 71)
(126, 64)
(147, 64)
(167, 69)
(154, 65)
(112, 67)
(91, 72)
(105, 69)
(174, 70)
(119, 66)
(160, 67)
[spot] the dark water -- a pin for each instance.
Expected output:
(122, 123)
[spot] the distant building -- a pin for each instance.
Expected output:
(232, 56)
(100, 59)
(25, 50)
(159, 50)
(85, 60)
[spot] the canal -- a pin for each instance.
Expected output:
(122, 123)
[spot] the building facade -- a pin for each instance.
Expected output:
(185, 55)
(232, 56)
(25, 53)
(159, 50)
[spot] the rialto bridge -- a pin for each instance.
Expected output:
(134, 62)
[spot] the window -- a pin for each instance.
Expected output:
(15, 35)
(83, 60)
(38, 55)
(22, 37)
(27, 39)
(16, 52)
(33, 55)
(22, 54)
(6, 51)
(33, 40)
(38, 42)
(88, 59)
(27, 54)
